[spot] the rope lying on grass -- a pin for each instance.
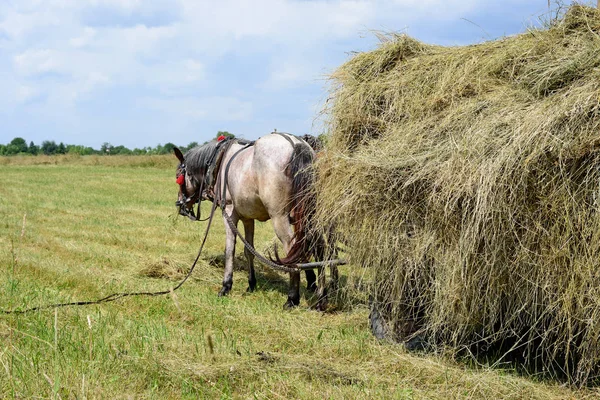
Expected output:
(117, 296)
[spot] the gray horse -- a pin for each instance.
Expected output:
(270, 178)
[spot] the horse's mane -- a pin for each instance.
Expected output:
(201, 160)
(197, 158)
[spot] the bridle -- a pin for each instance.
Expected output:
(185, 200)
(197, 196)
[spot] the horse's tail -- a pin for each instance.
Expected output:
(306, 241)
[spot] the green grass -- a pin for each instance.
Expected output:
(76, 229)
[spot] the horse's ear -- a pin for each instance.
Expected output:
(178, 154)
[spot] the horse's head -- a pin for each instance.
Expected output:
(189, 189)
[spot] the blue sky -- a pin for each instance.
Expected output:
(142, 72)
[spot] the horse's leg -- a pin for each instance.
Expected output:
(311, 280)
(249, 234)
(293, 299)
(229, 251)
(284, 232)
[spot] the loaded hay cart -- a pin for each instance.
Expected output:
(467, 179)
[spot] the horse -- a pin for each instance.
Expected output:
(268, 179)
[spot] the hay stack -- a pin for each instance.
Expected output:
(468, 179)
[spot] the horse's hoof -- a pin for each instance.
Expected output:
(250, 289)
(290, 305)
(312, 288)
(223, 292)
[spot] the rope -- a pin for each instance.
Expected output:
(117, 296)
(252, 250)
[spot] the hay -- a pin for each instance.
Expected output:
(468, 180)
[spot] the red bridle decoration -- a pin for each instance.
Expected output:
(180, 180)
(220, 138)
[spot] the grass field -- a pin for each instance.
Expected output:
(77, 228)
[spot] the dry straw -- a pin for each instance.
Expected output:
(467, 179)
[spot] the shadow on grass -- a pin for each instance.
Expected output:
(268, 280)
(342, 298)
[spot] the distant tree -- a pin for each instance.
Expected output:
(20, 144)
(159, 149)
(74, 149)
(33, 149)
(106, 148)
(168, 148)
(191, 145)
(61, 149)
(49, 147)
(78, 149)
(2, 150)
(12, 149)
(120, 150)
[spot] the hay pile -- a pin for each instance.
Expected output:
(468, 179)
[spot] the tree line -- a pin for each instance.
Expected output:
(49, 147)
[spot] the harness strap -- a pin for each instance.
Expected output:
(286, 136)
(212, 165)
(226, 175)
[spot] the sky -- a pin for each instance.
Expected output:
(140, 73)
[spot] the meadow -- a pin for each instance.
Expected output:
(78, 228)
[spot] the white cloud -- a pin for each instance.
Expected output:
(26, 93)
(128, 5)
(33, 62)
(290, 74)
(17, 25)
(84, 39)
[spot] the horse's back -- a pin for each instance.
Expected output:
(272, 155)
(273, 152)
(258, 184)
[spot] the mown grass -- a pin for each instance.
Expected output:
(74, 228)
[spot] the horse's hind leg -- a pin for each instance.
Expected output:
(229, 251)
(293, 299)
(249, 234)
(311, 280)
